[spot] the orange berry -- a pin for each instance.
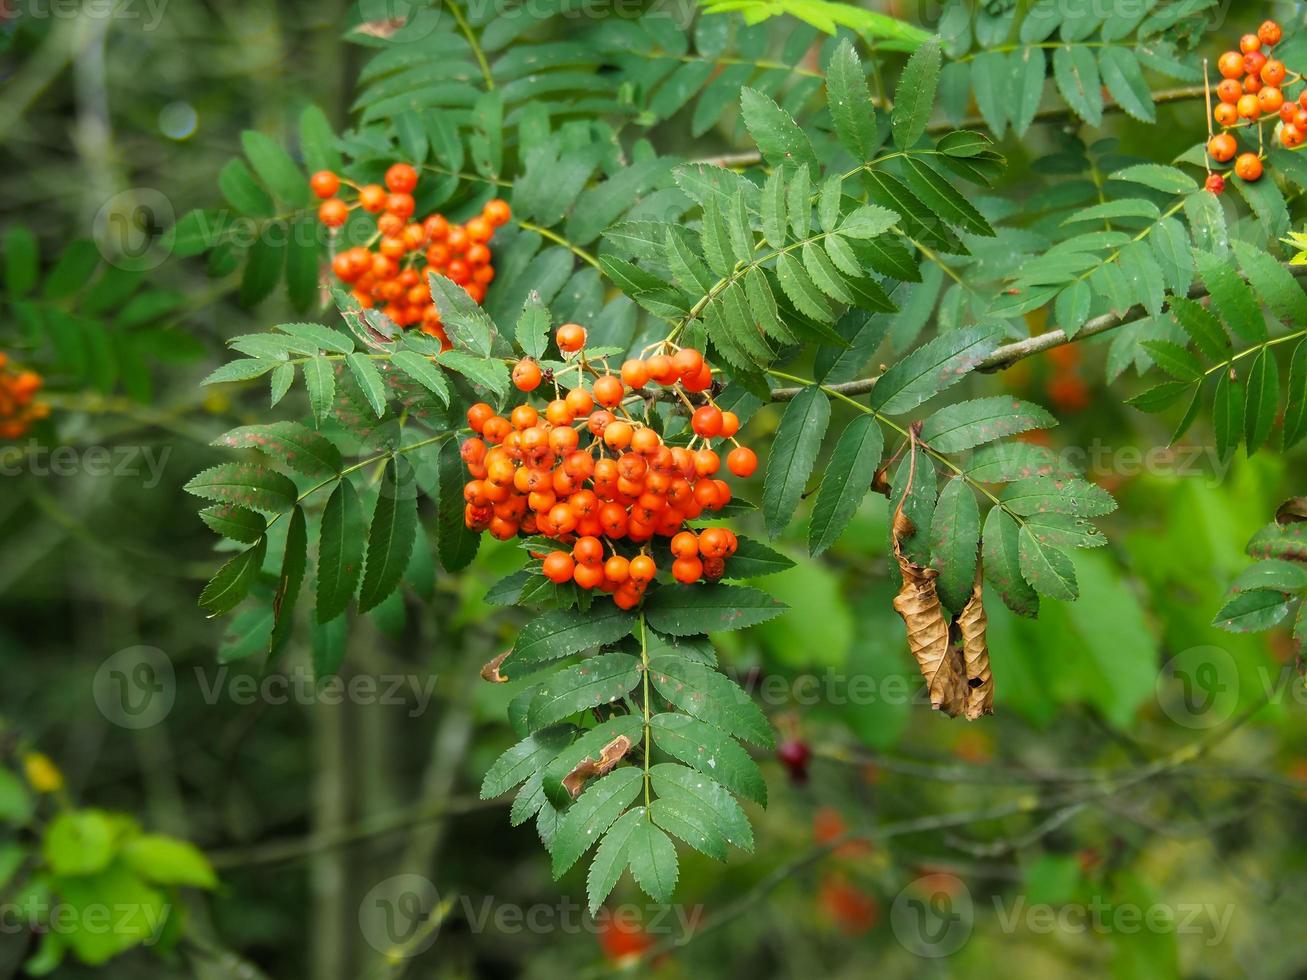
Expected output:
(608, 391)
(1291, 135)
(1250, 43)
(642, 569)
(685, 545)
(479, 230)
(635, 373)
(497, 212)
(1249, 108)
(436, 227)
(372, 198)
(588, 550)
(645, 441)
(333, 212)
(617, 434)
(701, 381)
(1269, 99)
(558, 567)
(687, 570)
(580, 402)
(706, 462)
(524, 416)
(742, 461)
(588, 576)
(324, 184)
(570, 337)
(1248, 166)
(526, 375)
(1229, 89)
(401, 179)
(1252, 84)
(661, 369)
(687, 362)
(1269, 33)
(1272, 72)
(713, 542)
(617, 569)
(1287, 111)
(1222, 147)
(730, 424)
(1230, 64)
(401, 204)
(1253, 62)
(707, 421)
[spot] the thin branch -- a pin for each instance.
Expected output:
(1004, 357)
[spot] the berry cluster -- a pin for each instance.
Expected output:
(588, 474)
(1250, 92)
(395, 274)
(18, 405)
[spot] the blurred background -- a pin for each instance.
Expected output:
(1133, 809)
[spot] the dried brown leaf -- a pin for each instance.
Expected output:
(971, 625)
(490, 672)
(588, 769)
(1291, 511)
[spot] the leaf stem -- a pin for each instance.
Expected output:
(473, 43)
(558, 239)
(644, 707)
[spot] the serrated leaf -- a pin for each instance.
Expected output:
(562, 632)
(469, 326)
(688, 610)
(1002, 565)
(943, 198)
(611, 858)
(489, 373)
(294, 562)
(1227, 415)
(1169, 180)
(914, 97)
(586, 820)
(1125, 82)
(235, 523)
(868, 221)
(1202, 326)
(1179, 362)
(320, 380)
(705, 693)
(848, 477)
(773, 213)
(692, 823)
(320, 337)
(1273, 283)
(246, 485)
(243, 369)
(1054, 495)
(652, 857)
(390, 536)
(849, 101)
(794, 452)
(369, 378)
(588, 684)
(523, 760)
(1295, 400)
(1231, 297)
(931, 368)
(283, 376)
(710, 750)
(753, 559)
(673, 781)
(424, 371)
(1076, 74)
(965, 425)
(954, 542)
(1262, 398)
(291, 443)
(232, 581)
(1048, 570)
(340, 551)
(775, 132)
(1253, 611)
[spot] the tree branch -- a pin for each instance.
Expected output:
(1004, 357)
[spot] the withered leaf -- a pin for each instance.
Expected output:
(588, 769)
(1291, 511)
(490, 672)
(971, 625)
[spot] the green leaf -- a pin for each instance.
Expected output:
(424, 371)
(931, 368)
(533, 327)
(390, 537)
(914, 97)
(1273, 283)
(801, 290)
(954, 542)
(774, 130)
(1002, 566)
(79, 842)
(1160, 397)
(282, 378)
(469, 326)
(943, 198)
(704, 693)
(320, 379)
(1179, 362)
(753, 559)
(592, 682)
(711, 751)
(1231, 297)
(340, 551)
(232, 582)
(1054, 495)
(688, 610)
(849, 101)
(592, 814)
(652, 857)
(456, 545)
(1272, 573)
(691, 822)
(1029, 66)
(611, 858)
(1227, 415)
(322, 338)
(489, 373)
(168, 861)
(1076, 74)
(1048, 570)
(963, 143)
(369, 378)
(294, 561)
(235, 523)
(868, 221)
(1263, 396)
(794, 452)
(1169, 180)
(1202, 326)
(1125, 82)
(22, 261)
(1295, 400)
(244, 369)
(318, 142)
(525, 759)
(679, 782)
(291, 443)
(243, 192)
(275, 168)
(848, 477)
(246, 485)
(1252, 611)
(965, 425)
(563, 632)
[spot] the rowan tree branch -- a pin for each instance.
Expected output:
(749, 158)
(1005, 356)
